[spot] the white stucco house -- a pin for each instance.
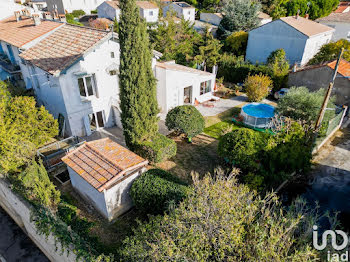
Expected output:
(301, 38)
(74, 73)
(181, 9)
(110, 9)
(102, 172)
(64, 6)
(339, 20)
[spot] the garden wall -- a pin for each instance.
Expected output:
(19, 210)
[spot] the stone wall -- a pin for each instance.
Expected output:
(19, 210)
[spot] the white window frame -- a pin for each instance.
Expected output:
(94, 88)
(207, 87)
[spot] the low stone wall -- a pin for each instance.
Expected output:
(19, 210)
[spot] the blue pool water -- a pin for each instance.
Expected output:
(259, 110)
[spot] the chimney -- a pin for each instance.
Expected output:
(27, 12)
(47, 16)
(36, 19)
(62, 18)
(18, 15)
(307, 16)
(297, 17)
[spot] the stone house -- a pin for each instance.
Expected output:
(301, 38)
(102, 172)
(319, 76)
(110, 9)
(339, 20)
(181, 10)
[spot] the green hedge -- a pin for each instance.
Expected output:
(155, 191)
(158, 149)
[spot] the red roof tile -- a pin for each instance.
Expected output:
(103, 162)
(343, 69)
(24, 31)
(342, 7)
(63, 47)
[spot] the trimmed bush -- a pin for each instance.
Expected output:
(241, 147)
(185, 120)
(159, 149)
(78, 13)
(155, 191)
(257, 87)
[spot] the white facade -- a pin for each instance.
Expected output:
(61, 95)
(105, 10)
(63, 6)
(181, 9)
(111, 202)
(342, 29)
(150, 15)
(299, 47)
(177, 87)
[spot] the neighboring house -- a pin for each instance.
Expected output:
(102, 172)
(110, 9)
(68, 6)
(264, 18)
(8, 7)
(211, 18)
(79, 79)
(18, 33)
(339, 20)
(301, 38)
(181, 10)
(148, 10)
(38, 4)
(319, 76)
(181, 85)
(201, 26)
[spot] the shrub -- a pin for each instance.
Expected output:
(257, 87)
(186, 120)
(279, 66)
(241, 147)
(237, 43)
(156, 191)
(330, 52)
(158, 149)
(78, 13)
(36, 186)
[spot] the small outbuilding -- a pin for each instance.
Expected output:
(102, 172)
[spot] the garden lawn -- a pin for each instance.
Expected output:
(216, 130)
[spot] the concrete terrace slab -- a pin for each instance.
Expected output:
(221, 105)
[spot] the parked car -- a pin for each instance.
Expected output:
(281, 93)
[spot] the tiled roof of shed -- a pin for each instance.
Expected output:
(24, 31)
(171, 65)
(342, 7)
(63, 47)
(306, 26)
(103, 162)
(146, 5)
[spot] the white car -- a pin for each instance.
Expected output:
(281, 93)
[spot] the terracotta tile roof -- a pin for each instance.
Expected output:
(306, 26)
(146, 5)
(343, 6)
(336, 17)
(63, 47)
(24, 31)
(114, 4)
(103, 162)
(170, 65)
(343, 69)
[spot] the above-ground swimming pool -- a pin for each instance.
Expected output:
(257, 115)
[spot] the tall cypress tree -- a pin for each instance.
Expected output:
(137, 83)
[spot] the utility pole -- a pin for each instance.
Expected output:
(328, 95)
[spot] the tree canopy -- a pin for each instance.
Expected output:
(330, 52)
(23, 128)
(222, 220)
(138, 100)
(240, 15)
